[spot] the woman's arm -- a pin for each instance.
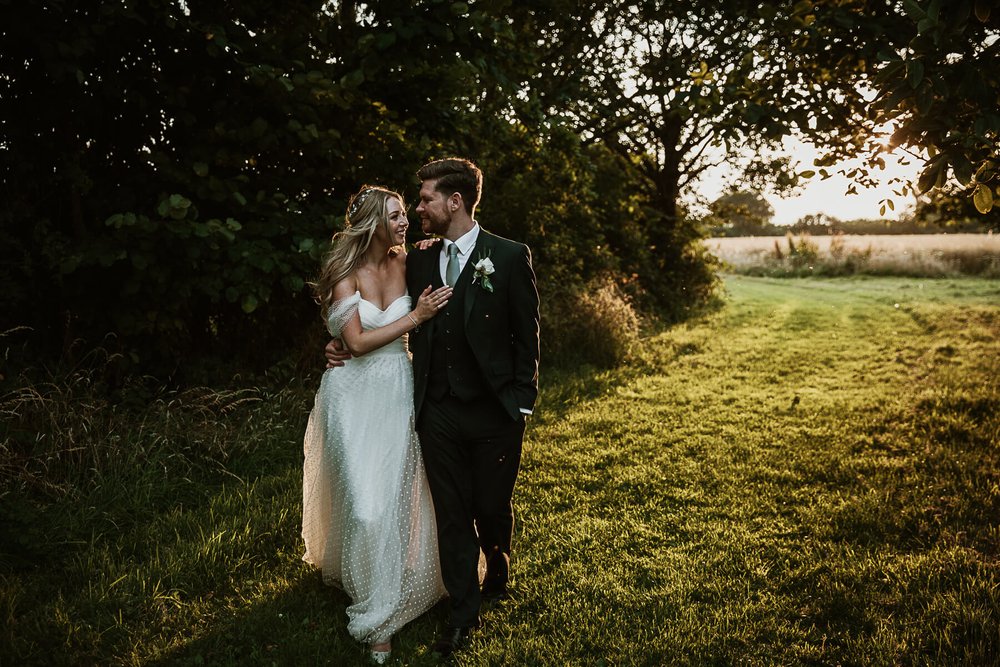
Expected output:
(361, 342)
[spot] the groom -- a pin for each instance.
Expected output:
(475, 370)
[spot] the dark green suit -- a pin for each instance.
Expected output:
(475, 367)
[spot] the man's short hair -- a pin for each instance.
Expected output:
(455, 174)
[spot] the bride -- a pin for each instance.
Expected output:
(367, 518)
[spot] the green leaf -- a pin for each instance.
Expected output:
(983, 174)
(927, 178)
(249, 303)
(808, 173)
(385, 40)
(982, 197)
(963, 170)
(353, 79)
(179, 201)
(802, 7)
(240, 198)
(914, 72)
(887, 56)
(913, 9)
(69, 264)
(200, 168)
(925, 99)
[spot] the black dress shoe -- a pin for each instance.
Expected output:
(451, 640)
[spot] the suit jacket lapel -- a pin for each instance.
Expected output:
(434, 279)
(478, 252)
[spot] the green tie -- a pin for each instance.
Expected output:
(451, 272)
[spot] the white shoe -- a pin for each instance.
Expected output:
(380, 657)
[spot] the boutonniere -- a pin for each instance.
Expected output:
(483, 269)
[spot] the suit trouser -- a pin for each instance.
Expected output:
(471, 453)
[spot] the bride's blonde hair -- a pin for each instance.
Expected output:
(366, 211)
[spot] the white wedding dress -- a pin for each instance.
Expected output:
(367, 518)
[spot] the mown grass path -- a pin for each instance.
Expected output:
(809, 476)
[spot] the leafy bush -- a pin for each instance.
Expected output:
(597, 326)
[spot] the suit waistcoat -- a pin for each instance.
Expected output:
(453, 367)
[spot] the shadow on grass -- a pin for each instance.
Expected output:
(306, 624)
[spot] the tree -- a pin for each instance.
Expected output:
(949, 208)
(174, 168)
(741, 212)
(678, 88)
(930, 67)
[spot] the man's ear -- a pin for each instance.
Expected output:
(455, 201)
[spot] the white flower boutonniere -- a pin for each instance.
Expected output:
(483, 270)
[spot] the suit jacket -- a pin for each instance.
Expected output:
(501, 326)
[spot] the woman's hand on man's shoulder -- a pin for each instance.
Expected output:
(424, 244)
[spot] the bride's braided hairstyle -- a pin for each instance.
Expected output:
(365, 212)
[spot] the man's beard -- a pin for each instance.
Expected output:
(432, 225)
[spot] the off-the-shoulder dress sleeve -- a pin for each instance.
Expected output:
(340, 314)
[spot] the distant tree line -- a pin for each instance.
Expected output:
(747, 213)
(173, 170)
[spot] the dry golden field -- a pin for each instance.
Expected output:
(890, 254)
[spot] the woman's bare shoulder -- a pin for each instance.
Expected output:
(345, 287)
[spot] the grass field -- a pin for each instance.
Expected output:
(809, 476)
(912, 255)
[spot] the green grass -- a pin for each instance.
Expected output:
(809, 476)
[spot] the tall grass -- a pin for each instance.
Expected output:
(112, 513)
(918, 255)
